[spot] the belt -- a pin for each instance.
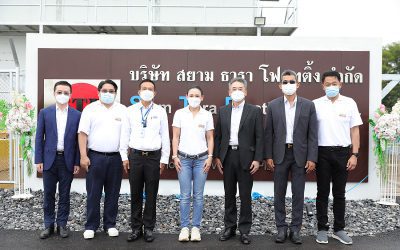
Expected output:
(234, 147)
(103, 153)
(60, 152)
(194, 157)
(334, 148)
(289, 145)
(144, 153)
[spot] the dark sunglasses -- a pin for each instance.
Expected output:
(291, 82)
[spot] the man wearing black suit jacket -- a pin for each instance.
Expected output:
(238, 152)
(291, 145)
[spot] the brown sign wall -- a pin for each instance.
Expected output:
(178, 69)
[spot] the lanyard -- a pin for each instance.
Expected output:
(146, 114)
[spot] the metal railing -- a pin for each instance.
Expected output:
(91, 12)
(8, 82)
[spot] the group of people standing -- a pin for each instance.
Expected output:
(107, 138)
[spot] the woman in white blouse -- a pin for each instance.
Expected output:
(192, 147)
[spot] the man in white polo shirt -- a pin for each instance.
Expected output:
(99, 136)
(339, 142)
(144, 149)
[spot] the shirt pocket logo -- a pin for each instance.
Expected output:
(344, 116)
(201, 126)
(154, 121)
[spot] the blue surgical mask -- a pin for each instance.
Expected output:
(107, 98)
(332, 91)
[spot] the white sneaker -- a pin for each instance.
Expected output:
(195, 234)
(184, 235)
(88, 234)
(112, 232)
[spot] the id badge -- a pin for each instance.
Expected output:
(142, 132)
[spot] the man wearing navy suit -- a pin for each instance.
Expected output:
(57, 157)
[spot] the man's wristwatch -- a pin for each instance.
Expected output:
(355, 154)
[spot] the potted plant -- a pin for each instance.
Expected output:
(4, 109)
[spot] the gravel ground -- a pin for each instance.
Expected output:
(363, 217)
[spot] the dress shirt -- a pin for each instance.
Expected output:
(102, 125)
(153, 137)
(335, 120)
(290, 112)
(236, 116)
(192, 138)
(61, 117)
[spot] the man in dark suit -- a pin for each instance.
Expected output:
(57, 157)
(238, 152)
(291, 145)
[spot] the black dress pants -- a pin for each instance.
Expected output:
(144, 173)
(235, 174)
(332, 162)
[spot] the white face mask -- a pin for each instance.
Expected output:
(146, 95)
(194, 102)
(62, 99)
(289, 89)
(237, 95)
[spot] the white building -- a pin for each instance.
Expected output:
(256, 22)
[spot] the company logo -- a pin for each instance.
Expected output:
(82, 95)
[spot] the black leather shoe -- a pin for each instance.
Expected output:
(47, 232)
(63, 231)
(227, 234)
(134, 235)
(281, 236)
(295, 237)
(244, 238)
(148, 235)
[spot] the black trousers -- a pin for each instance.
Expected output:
(332, 162)
(58, 173)
(144, 173)
(235, 174)
(281, 175)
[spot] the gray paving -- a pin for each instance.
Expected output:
(16, 239)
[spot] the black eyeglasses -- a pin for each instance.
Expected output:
(291, 82)
(62, 92)
(111, 91)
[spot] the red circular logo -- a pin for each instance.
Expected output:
(82, 95)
